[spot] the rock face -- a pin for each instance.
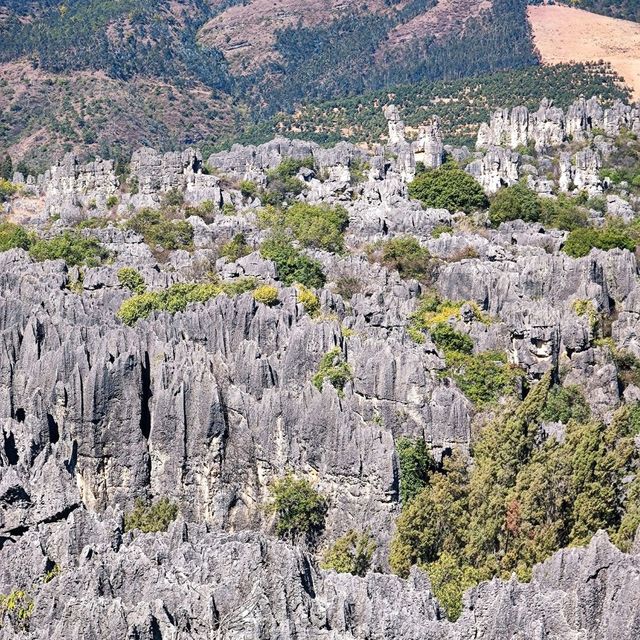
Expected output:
(69, 186)
(550, 126)
(212, 585)
(209, 405)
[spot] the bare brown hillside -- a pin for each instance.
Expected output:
(563, 34)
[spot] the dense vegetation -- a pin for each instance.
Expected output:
(625, 9)
(352, 553)
(177, 297)
(300, 510)
(525, 497)
(150, 518)
(461, 103)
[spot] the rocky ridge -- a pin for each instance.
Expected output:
(209, 405)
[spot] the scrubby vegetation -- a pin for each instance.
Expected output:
(611, 236)
(177, 297)
(235, 248)
(150, 518)
(13, 236)
(300, 510)
(18, 607)
(309, 300)
(405, 255)
(131, 279)
(517, 202)
(416, 464)
(352, 553)
(525, 496)
(159, 232)
(71, 247)
(333, 368)
(266, 294)
(448, 187)
(292, 265)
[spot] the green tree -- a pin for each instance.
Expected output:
(292, 265)
(517, 202)
(13, 236)
(299, 508)
(416, 464)
(352, 553)
(151, 518)
(6, 168)
(448, 187)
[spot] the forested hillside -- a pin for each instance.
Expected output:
(626, 9)
(461, 104)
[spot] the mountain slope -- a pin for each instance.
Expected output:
(565, 34)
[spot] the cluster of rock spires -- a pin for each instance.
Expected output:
(208, 406)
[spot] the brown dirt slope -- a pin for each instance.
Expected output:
(564, 34)
(43, 115)
(246, 33)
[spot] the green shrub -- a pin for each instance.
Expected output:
(292, 265)
(358, 170)
(580, 241)
(321, 226)
(112, 201)
(92, 223)
(151, 518)
(352, 553)
(299, 508)
(266, 294)
(177, 297)
(160, 232)
(333, 368)
(131, 279)
(449, 580)
(483, 377)
(416, 464)
(440, 229)
(228, 209)
(448, 187)
(308, 299)
(564, 404)
(7, 189)
(173, 198)
(236, 248)
(448, 339)
(563, 213)
(348, 286)
(289, 167)
(248, 189)
(405, 255)
(71, 247)
(13, 236)
(517, 202)
(18, 607)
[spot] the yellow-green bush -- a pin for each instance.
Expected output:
(266, 294)
(308, 299)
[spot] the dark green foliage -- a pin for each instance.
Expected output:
(236, 248)
(524, 498)
(517, 202)
(416, 464)
(583, 239)
(320, 226)
(248, 189)
(151, 518)
(334, 368)
(7, 189)
(564, 404)
(6, 168)
(407, 256)
(461, 103)
(299, 508)
(448, 187)
(71, 247)
(161, 233)
(352, 553)
(292, 265)
(13, 236)
(131, 279)
(625, 9)
(445, 337)
(483, 377)
(563, 213)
